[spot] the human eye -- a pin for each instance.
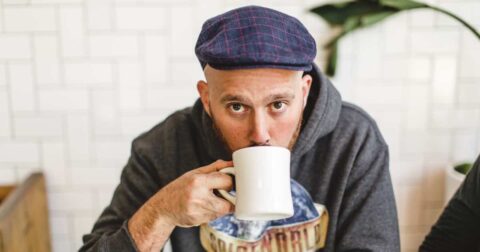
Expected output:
(279, 106)
(236, 107)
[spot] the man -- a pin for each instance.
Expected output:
(458, 228)
(261, 88)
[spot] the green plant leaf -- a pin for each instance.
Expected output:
(356, 22)
(373, 18)
(463, 168)
(352, 15)
(351, 24)
(332, 61)
(402, 4)
(338, 14)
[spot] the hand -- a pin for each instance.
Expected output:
(189, 200)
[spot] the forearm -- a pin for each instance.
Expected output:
(118, 240)
(149, 228)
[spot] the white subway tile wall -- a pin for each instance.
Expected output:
(14, 46)
(79, 79)
(46, 60)
(72, 31)
(29, 18)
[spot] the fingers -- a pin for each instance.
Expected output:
(195, 202)
(215, 166)
(218, 180)
(219, 207)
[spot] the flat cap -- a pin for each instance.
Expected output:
(255, 37)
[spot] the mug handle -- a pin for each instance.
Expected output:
(232, 199)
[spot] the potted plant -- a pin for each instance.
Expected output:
(454, 178)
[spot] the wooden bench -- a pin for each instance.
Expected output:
(24, 216)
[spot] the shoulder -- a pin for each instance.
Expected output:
(165, 132)
(356, 122)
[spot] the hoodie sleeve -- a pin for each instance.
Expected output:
(137, 185)
(458, 228)
(368, 217)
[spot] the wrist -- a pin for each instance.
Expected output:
(149, 228)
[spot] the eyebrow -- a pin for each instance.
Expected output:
(269, 98)
(280, 96)
(230, 97)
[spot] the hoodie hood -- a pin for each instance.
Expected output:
(321, 113)
(319, 118)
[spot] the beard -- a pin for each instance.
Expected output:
(223, 139)
(296, 134)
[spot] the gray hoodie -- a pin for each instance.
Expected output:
(340, 158)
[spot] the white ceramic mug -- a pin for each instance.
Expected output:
(262, 178)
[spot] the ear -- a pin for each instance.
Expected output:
(202, 88)
(306, 84)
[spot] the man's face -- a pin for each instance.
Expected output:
(252, 107)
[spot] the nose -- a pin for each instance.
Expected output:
(259, 130)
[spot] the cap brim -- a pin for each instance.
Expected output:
(254, 66)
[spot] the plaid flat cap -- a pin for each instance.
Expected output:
(255, 37)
